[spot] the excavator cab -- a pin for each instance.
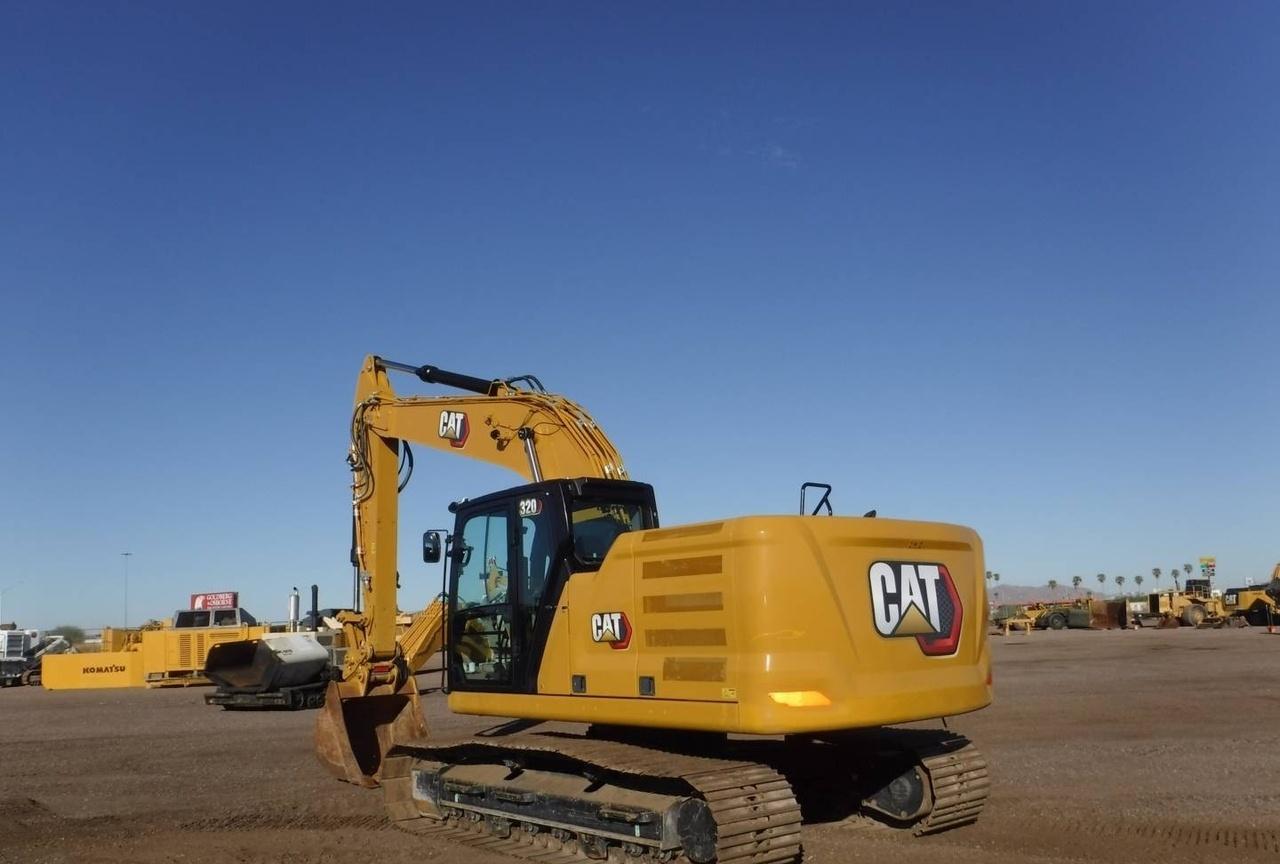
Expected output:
(511, 554)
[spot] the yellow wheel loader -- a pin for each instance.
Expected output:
(1195, 605)
(678, 690)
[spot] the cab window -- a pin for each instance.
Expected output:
(481, 637)
(597, 524)
(537, 546)
(194, 618)
(536, 550)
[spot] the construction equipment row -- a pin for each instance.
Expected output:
(202, 646)
(1196, 604)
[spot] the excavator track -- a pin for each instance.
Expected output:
(959, 784)
(904, 780)
(754, 816)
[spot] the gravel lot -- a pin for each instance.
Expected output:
(1104, 746)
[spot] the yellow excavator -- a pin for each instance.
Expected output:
(1256, 603)
(678, 692)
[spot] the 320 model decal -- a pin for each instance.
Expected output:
(909, 598)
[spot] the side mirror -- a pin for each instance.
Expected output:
(431, 547)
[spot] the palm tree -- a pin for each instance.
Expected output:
(1075, 581)
(1186, 568)
(1155, 574)
(1173, 571)
(1138, 580)
(1102, 578)
(1120, 583)
(988, 575)
(1053, 586)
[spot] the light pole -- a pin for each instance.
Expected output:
(126, 556)
(4, 591)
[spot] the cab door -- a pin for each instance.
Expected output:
(507, 572)
(540, 539)
(482, 652)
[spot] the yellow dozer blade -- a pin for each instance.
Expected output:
(353, 735)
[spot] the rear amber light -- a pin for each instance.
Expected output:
(801, 699)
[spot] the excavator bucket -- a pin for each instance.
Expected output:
(353, 736)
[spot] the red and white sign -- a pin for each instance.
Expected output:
(216, 600)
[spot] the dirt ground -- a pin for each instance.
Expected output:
(1104, 746)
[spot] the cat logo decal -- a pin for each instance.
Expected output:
(612, 628)
(454, 428)
(909, 598)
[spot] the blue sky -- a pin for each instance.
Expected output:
(1010, 265)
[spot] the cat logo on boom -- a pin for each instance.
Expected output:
(612, 628)
(454, 428)
(910, 598)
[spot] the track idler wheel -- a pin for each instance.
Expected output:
(696, 825)
(905, 798)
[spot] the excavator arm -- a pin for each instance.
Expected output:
(536, 434)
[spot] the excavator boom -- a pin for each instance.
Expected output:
(536, 434)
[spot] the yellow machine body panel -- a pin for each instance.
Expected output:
(176, 656)
(767, 625)
(94, 671)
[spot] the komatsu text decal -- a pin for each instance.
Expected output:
(910, 598)
(612, 628)
(454, 428)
